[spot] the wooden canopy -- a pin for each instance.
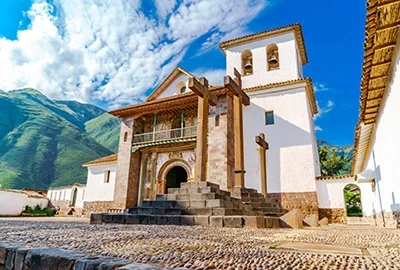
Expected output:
(381, 34)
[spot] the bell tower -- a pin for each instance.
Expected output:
(267, 57)
(282, 106)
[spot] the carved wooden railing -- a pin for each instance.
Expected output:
(165, 135)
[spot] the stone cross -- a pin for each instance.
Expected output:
(239, 98)
(260, 140)
(206, 98)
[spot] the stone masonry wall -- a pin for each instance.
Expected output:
(220, 144)
(97, 207)
(334, 215)
(18, 258)
(306, 202)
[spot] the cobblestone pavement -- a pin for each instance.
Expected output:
(210, 248)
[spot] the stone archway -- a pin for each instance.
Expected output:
(175, 177)
(166, 168)
(352, 199)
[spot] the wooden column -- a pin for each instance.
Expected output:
(206, 98)
(260, 140)
(239, 98)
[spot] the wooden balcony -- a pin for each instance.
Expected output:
(174, 135)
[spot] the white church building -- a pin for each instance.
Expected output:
(159, 138)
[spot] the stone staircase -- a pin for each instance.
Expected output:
(202, 203)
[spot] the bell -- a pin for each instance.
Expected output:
(247, 65)
(272, 59)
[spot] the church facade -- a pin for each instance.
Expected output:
(160, 139)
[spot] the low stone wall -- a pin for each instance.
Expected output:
(306, 202)
(97, 207)
(385, 219)
(334, 215)
(21, 258)
(65, 209)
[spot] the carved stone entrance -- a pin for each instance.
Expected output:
(172, 173)
(176, 176)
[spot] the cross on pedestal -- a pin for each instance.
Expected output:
(260, 140)
(206, 98)
(239, 98)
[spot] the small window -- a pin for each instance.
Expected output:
(125, 136)
(217, 120)
(269, 118)
(183, 89)
(107, 176)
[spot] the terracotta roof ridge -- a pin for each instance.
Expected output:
(337, 177)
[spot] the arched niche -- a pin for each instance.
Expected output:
(247, 62)
(272, 57)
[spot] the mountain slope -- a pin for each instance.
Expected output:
(43, 142)
(105, 130)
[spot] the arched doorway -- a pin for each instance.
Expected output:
(74, 196)
(176, 176)
(352, 199)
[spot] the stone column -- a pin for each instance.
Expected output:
(128, 168)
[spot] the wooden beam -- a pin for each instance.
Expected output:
(200, 88)
(236, 90)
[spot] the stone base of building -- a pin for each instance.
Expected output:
(334, 215)
(306, 202)
(65, 209)
(385, 219)
(98, 207)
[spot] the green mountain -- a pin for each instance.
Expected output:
(105, 130)
(345, 151)
(43, 142)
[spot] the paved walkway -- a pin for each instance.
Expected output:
(332, 247)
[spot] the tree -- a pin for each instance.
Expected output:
(331, 163)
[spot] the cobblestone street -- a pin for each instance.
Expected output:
(215, 248)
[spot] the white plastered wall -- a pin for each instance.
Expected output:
(12, 203)
(56, 195)
(384, 156)
(331, 194)
(289, 69)
(175, 86)
(96, 188)
(292, 163)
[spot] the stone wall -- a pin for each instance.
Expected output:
(221, 144)
(97, 207)
(18, 258)
(334, 215)
(385, 219)
(306, 202)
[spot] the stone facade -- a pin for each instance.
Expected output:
(306, 202)
(334, 215)
(221, 163)
(385, 219)
(97, 207)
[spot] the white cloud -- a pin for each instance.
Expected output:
(318, 128)
(214, 76)
(111, 51)
(325, 109)
(320, 87)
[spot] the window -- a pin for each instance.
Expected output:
(125, 136)
(272, 57)
(247, 63)
(269, 118)
(217, 120)
(107, 176)
(183, 89)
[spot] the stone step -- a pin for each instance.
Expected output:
(154, 211)
(234, 221)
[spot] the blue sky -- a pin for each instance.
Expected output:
(116, 52)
